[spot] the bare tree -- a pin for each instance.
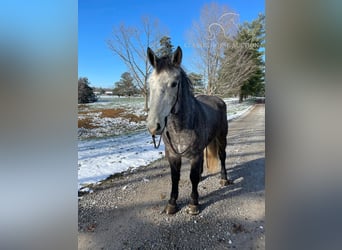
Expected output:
(237, 67)
(209, 36)
(130, 44)
(242, 59)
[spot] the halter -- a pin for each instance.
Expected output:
(167, 133)
(153, 136)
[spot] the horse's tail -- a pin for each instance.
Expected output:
(211, 157)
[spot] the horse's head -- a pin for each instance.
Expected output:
(164, 86)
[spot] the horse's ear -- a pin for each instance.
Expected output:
(152, 57)
(177, 57)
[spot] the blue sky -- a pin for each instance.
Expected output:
(96, 19)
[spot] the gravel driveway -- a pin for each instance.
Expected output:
(125, 212)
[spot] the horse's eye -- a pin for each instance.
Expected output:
(173, 84)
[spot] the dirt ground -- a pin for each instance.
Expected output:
(125, 212)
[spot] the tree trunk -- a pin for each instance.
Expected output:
(146, 101)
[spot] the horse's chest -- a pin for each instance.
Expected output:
(181, 141)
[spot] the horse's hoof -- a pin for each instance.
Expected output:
(170, 209)
(224, 182)
(192, 209)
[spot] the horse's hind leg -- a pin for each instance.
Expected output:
(195, 176)
(175, 166)
(222, 155)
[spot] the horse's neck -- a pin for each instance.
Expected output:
(184, 118)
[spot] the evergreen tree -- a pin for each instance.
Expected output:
(197, 81)
(165, 48)
(85, 92)
(255, 85)
(125, 86)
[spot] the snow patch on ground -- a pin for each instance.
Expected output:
(98, 159)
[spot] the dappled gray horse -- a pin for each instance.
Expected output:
(191, 127)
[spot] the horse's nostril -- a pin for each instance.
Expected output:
(158, 126)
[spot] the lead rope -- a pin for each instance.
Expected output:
(173, 148)
(206, 157)
(154, 139)
(178, 153)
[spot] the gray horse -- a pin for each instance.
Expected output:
(192, 127)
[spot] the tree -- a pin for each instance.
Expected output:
(130, 45)
(165, 48)
(208, 36)
(197, 81)
(125, 86)
(242, 66)
(102, 91)
(255, 85)
(85, 92)
(119, 89)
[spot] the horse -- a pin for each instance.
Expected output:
(192, 127)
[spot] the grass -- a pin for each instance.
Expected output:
(120, 112)
(111, 116)
(87, 122)
(112, 113)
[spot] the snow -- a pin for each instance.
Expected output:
(98, 159)
(106, 126)
(102, 157)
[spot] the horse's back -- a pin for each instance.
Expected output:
(212, 102)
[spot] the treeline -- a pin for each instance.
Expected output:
(88, 94)
(124, 87)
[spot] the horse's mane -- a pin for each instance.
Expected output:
(186, 80)
(164, 63)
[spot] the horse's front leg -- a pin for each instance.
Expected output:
(175, 166)
(195, 176)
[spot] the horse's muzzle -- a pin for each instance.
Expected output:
(155, 130)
